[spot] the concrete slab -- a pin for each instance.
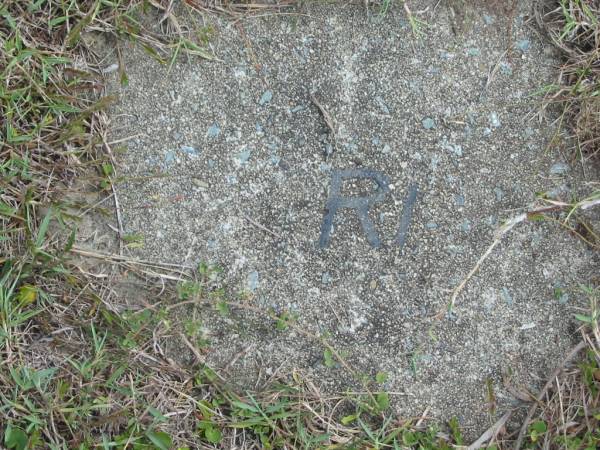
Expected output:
(344, 170)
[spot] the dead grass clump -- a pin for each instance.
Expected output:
(566, 413)
(573, 26)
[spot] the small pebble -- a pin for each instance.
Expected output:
(351, 147)
(456, 149)
(559, 168)
(488, 304)
(428, 123)
(110, 69)
(489, 20)
(507, 297)
(524, 45)
(459, 199)
(499, 194)
(431, 225)
(556, 192)
(326, 278)
(382, 106)
(505, 68)
(200, 184)
(494, 120)
(189, 150)
(453, 249)
(473, 52)
(214, 130)
(252, 281)
(324, 167)
(266, 98)
(466, 226)
(170, 157)
(244, 156)
(563, 299)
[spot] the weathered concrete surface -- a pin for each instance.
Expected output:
(231, 162)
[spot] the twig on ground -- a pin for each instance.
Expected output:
(491, 433)
(114, 194)
(507, 228)
(261, 226)
(491, 74)
(500, 233)
(329, 121)
(193, 349)
(177, 268)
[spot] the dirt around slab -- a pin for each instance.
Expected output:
(232, 162)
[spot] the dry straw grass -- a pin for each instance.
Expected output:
(573, 27)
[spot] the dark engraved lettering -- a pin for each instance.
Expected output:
(407, 210)
(361, 205)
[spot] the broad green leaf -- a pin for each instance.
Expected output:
(160, 439)
(456, 433)
(383, 400)
(328, 358)
(582, 318)
(27, 294)
(213, 435)
(223, 308)
(244, 406)
(539, 426)
(349, 419)
(57, 21)
(39, 241)
(6, 209)
(15, 438)
(409, 438)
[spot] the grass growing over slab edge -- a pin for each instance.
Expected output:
(78, 372)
